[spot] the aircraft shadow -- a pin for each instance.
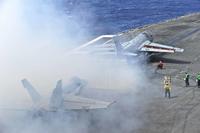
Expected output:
(154, 59)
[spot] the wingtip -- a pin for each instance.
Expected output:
(179, 50)
(111, 103)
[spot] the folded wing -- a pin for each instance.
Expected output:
(69, 101)
(102, 45)
(158, 48)
(78, 103)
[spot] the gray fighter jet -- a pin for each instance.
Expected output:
(112, 45)
(61, 101)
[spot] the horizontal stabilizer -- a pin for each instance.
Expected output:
(79, 103)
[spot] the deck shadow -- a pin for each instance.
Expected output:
(154, 59)
(173, 97)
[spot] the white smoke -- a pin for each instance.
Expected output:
(34, 38)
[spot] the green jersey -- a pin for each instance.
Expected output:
(198, 77)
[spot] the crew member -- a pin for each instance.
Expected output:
(167, 88)
(160, 65)
(187, 76)
(167, 85)
(198, 80)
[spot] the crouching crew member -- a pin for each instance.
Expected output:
(160, 65)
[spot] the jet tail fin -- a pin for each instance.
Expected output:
(118, 46)
(56, 99)
(120, 49)
(35, 96)
(59, 84)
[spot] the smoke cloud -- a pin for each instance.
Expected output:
(34, 39)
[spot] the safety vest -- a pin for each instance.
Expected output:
(186, 76)
(167, 87)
